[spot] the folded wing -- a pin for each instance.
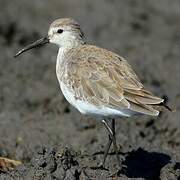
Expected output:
(104, 78)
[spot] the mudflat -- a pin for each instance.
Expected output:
(52, 140)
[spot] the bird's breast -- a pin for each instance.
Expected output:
(61, 63)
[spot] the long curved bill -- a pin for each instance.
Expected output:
(35, 44)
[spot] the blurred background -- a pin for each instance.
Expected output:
(33, 112)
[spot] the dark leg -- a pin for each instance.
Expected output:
(106, 151)
(114, 141)
(113, 137)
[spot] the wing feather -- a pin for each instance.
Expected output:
(104, 78)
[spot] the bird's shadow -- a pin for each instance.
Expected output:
(143, 164)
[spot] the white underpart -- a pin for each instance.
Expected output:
(60, 57)
(90, 109)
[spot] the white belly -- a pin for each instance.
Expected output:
(89, 109)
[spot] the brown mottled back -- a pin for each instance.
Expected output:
(103, 78)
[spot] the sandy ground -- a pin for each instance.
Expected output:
(52, 139)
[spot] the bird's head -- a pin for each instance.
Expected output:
(64, 32)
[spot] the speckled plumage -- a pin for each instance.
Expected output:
(102, 78)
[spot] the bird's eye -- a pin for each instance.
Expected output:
(59, 31)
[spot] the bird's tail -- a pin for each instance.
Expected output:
(161, 106)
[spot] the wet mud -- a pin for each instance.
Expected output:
(54, 141)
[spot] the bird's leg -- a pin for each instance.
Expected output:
(113, 138)
(106, 151)
(114, 141)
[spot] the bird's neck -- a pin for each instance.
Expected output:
(64, 50)
(71, 42)
(61, 57)
(68, 46)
